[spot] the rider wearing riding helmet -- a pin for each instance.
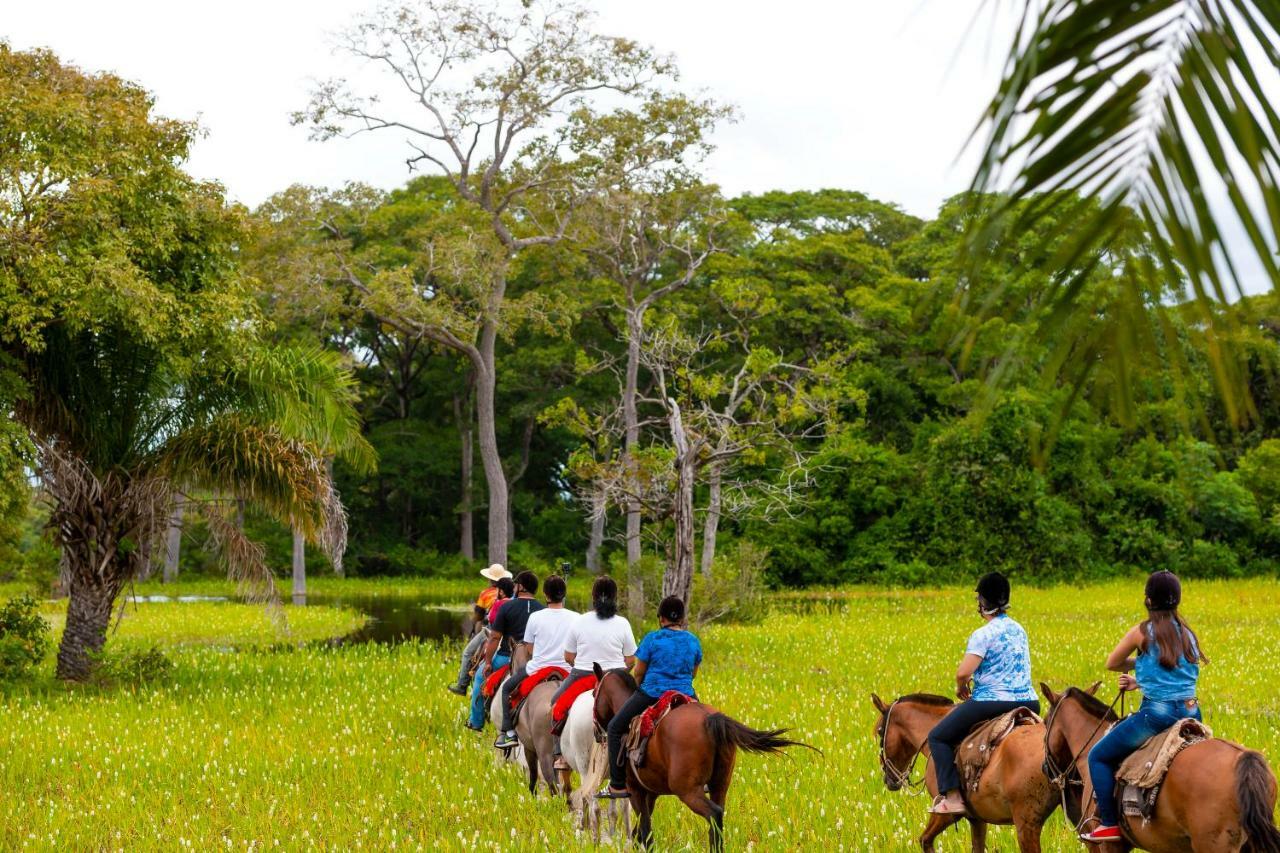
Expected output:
(1167, 667)
(994, 677)
(667, 660)
(599, 636)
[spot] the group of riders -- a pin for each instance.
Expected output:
(1160, 656)
(511, 615)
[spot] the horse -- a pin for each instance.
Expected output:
(691, 756)
(1217, 796)
(589, 758)
(534, 731)
(1013, 788)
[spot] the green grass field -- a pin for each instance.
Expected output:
(361, 746)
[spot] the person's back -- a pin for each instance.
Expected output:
(594, 640)
(672, 656)
(548, 632)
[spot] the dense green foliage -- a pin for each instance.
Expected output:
(24, 637)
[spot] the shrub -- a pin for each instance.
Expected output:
(734, 591)
(133, 667)
(24, 637)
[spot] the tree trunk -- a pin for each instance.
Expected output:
(240, 514)
(712, 525)
(631, 443)
(526, 445)
(88, 616)
(678, 578)
(464, 415)
(486, 422)
(299, 567)
(596, 540)
(339, 567)
(173, 539)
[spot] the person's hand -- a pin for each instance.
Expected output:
(1127, 682)
(964, 690)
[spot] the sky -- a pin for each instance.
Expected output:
(871, 95)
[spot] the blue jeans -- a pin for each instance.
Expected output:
(1152, 718)
(477, 699)
(955, 727)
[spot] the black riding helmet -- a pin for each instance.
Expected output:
(994, 589)
(1164, 591)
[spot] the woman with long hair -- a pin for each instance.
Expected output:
(1164, 655)
(598, 636)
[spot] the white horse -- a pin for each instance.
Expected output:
(514, 755)
(591, 761)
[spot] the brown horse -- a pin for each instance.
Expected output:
(1013, 788)
(691, 756)
(534, 730)
(1218, 796)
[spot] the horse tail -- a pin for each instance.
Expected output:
(1255, 800)
(726, 731)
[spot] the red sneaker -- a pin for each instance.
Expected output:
(1103, 834)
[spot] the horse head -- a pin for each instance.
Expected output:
(612, 690)
(901, 733)
(1075, 717)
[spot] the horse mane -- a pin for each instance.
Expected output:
(926, 699)
(1091, 703)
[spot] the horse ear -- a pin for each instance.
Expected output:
(879, 703)
(1093, 691)
(595, 667)
(1049, 694)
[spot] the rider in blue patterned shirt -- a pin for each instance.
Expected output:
(994, 677)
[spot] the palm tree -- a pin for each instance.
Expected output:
(1158, 115)
(120, 426)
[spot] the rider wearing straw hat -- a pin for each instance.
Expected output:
(994, 677)
(1167, 667)
(484, 601)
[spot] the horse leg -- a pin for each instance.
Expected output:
(643, 802)
(977, 835)
(1028, 829)
(532, 761)
(712, 812)
(937, 823)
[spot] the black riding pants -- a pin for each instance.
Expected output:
(508, 687)
(618, 726)
(955, 727)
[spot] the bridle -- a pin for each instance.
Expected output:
(902, 778)
(1064, 777)
(601, 732)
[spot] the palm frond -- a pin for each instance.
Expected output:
(284, 476)
(306, 393)
(246, 560)
(1159, 110)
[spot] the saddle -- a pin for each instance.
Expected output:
(493, 680)
(976, 750)
(636, 744)
(560, 710)
(548, 674)
(1142, 773)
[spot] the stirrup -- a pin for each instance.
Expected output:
(940, 807)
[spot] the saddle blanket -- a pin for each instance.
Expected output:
(492, 681)
(560, 710)
(976, 750)
(533, 679)
(643, 726)
(1147, 767)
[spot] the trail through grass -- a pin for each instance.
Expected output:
(361, 747)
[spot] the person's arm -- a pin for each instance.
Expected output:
(1120, 661)
(964, 674)
(491, 648)
(629, 648)
(638, 669)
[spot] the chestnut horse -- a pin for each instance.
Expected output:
(1218, 796)
(1013, 788)
(691, 756)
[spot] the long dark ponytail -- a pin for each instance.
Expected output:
(604, 597)
(1173, 638)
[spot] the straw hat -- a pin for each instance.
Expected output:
(495, 572)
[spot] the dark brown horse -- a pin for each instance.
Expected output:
(691, 756)
(1218, 796)
(1013, 788)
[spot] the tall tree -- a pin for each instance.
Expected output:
(131, 342)
(528, 113)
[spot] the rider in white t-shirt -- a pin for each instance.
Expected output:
(598, 636)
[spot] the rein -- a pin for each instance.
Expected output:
(1061, 778)
(901, 777)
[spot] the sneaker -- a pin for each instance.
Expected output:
(506, 741)
(1103, 834)
(466, 724)
(457, 690)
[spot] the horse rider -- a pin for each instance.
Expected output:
(507, 630)
(475, 720)
(1164, 655)
(545, 636)
(484, 601)
(599, 636)
(994, 677)
(667, 660)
